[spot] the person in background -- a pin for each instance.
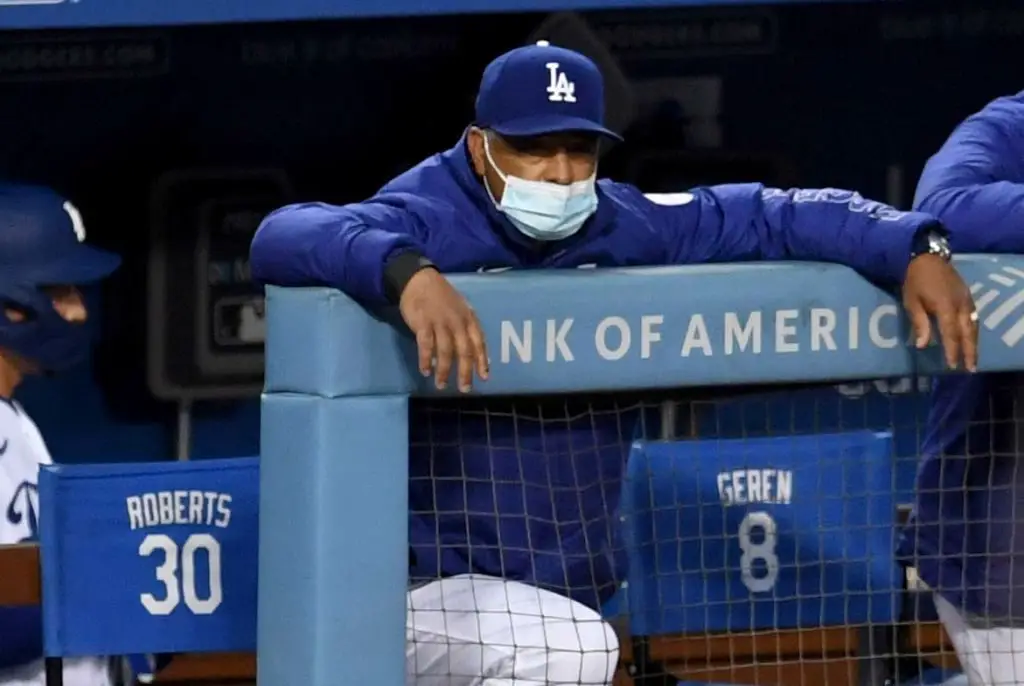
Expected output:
(43, 259)
(512, 522)
(966, 533)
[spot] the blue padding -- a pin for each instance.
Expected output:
(52, 14)
(148, 558)
(333, 541)
(830, 500)
(673, 326)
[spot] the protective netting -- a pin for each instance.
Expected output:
(527, 490)
(745, 539)
(749, 539)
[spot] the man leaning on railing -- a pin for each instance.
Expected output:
(506, 586)
(966, 534)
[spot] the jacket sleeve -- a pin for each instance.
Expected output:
(741, 222)
(344, 247)
(975, 182)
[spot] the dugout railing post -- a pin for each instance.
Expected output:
(334, 512)
(333, 562)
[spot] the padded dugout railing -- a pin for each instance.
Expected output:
(335, 434)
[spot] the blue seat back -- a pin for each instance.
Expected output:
(765, 533)
(148, 558)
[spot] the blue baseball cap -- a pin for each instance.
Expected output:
(541, 89)
(41, 239)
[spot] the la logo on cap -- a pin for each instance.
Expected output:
(560, 88)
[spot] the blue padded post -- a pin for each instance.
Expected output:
(333, 527)
(333, 556)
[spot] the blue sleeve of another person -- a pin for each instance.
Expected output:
(975, 182)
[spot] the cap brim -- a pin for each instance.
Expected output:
(84, 265)
(547, 124)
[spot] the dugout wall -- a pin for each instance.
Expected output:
(335, 426)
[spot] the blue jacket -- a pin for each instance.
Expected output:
(975, 185)
(540, 484)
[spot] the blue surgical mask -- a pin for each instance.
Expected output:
(542, 210)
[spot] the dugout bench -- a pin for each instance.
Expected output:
(833, 655)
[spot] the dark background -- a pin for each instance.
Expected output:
(810, 95)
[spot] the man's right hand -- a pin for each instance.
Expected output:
(446, 329)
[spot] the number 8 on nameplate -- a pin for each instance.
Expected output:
(759, 565)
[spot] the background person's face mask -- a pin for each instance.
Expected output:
(542, 210)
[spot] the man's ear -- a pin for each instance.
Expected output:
(475, 143)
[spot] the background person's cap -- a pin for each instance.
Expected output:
(541, 89)
(42, 239)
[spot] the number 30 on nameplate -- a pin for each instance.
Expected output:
(177, 572)
(760, 555)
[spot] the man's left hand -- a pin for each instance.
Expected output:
(933, 288)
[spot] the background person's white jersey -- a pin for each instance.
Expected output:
(22, 450)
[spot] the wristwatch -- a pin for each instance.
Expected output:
(931, 242)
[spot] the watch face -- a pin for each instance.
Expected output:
(939, 245)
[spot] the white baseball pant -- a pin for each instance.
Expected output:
(475, 630)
